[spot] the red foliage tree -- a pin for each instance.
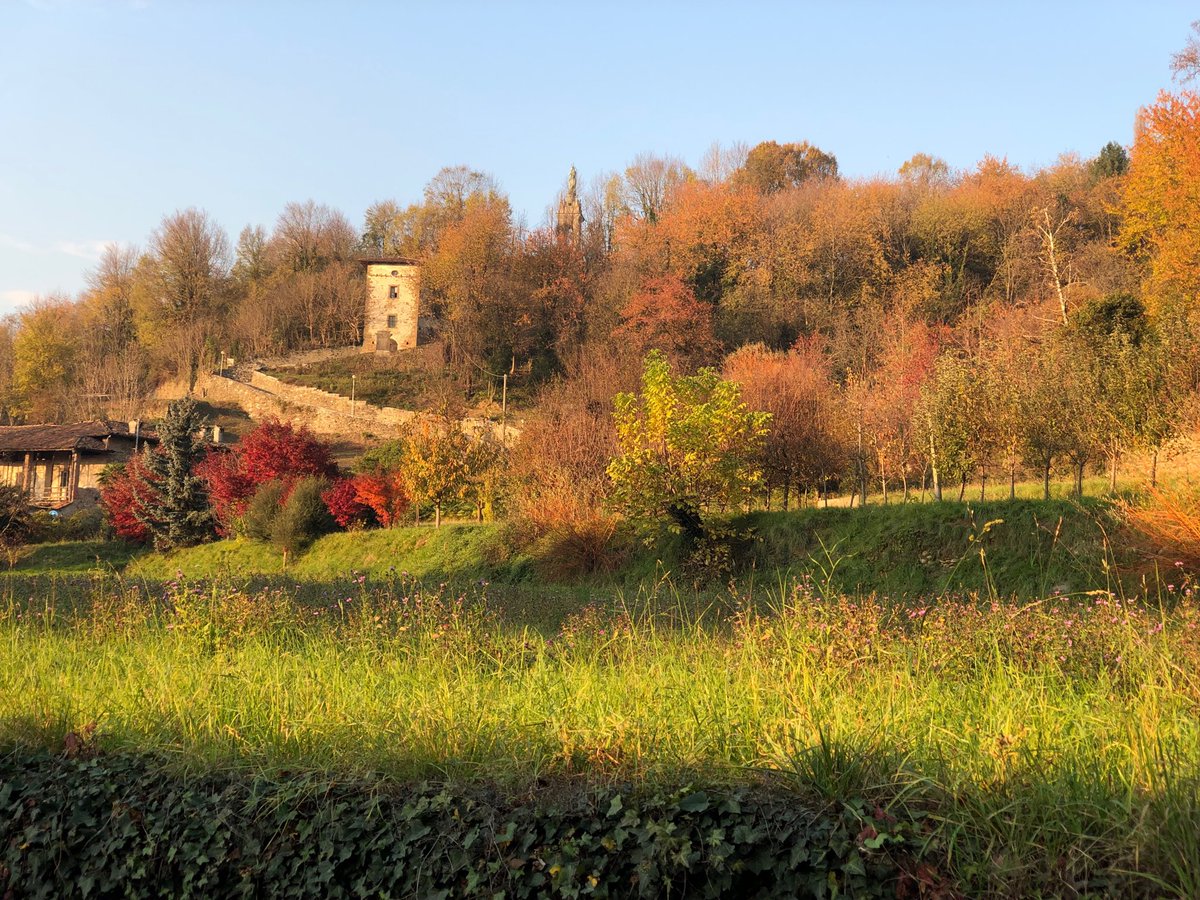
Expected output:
(664, 314)
(121, 496)
(274, 451)
(386, 493)
(344, 505)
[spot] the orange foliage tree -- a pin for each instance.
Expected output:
(805, 445)
(1162, 194)
(664, 314)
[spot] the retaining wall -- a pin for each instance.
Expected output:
(324, 413)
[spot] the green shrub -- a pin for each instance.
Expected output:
(303, 518)
(289, 521)
(261, 511)
(85, 524)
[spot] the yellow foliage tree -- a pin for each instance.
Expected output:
(1162, 195)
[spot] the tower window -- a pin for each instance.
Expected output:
(391, 321)
(393, 292)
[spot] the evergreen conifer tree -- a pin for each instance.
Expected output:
(174, 502)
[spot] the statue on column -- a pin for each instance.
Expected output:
(570, 213)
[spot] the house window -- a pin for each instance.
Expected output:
(62, 477)
(393, 292)
(391, 321)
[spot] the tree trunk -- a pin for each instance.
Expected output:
(1154, 469)
(982, 485)
(962, 489)
(883, 484)
(1012, 478)
(1079, 479)
(787, 483)
(1046, 480)
(937, 478)
(904, 481)
(1112, 475)
(437, 515)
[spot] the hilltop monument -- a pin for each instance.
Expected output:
(570, 213)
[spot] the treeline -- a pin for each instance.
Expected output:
(936, 322)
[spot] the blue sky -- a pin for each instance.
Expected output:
(114, 112)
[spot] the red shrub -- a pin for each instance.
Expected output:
(344, 505)
(274, 451)
(121, 495)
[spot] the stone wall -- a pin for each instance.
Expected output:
(324, 413)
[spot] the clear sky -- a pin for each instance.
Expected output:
(115, 112)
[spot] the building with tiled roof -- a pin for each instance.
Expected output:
(58, 466)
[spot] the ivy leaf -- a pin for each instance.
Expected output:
(697, 802)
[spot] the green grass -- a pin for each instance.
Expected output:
(402, 382)
(73, 557)
(1047, 745)
(453, 551)
(1032, 549)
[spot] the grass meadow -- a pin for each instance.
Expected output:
(1044, 744)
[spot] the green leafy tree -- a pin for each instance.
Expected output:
(950, 417)
(686, 444)
(173, 500)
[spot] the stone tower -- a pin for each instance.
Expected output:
(393, 304)
(570, 213)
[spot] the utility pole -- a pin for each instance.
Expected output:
(352, 380)
(504, 408)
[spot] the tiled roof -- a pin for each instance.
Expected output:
(87, 436)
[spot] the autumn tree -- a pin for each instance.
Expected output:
(125, 488)
(650, 183)
(1162, 207)
(469, 282)
(771, 167)
(950, 420)
(271, 451)
(558, 467)
(686, 446)
(805, 445)
(892, 397)
(111, 368)
(182, 289)
(439, 463)
(435, 464)
(664, 314)
(8, 402)
(45, 353)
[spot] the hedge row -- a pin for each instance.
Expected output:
(109, 826)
